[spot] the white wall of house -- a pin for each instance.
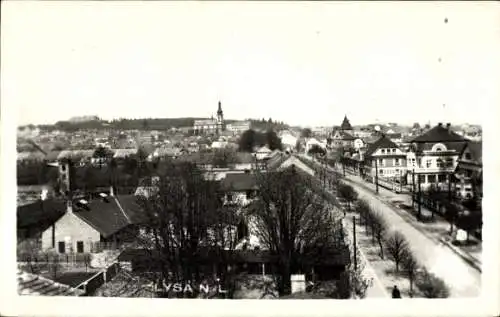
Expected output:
(433, 166)
(70, 229)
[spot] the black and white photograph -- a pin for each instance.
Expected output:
(229, 151)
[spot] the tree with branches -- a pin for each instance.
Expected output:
(292, 223)
(363, 208)
(410, 267)
(397, 246)
(185, 223)
(380, 229)
(347, 193)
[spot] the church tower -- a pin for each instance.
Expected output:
(220, 119)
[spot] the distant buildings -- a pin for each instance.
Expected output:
(210, 126)
(81, 119)
(238, 127)
(343, 137)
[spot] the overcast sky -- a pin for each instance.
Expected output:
(303, 63)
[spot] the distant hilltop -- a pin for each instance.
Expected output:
(160, 124)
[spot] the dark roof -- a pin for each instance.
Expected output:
(382, 142)
(236, 256)
(394, 135)
(40, 214)
(31, 284)
(346, 125)
(439, 134)
(52, 155)
(239, 182)
(108, 217)
(476, 151)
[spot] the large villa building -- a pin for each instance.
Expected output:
(433, 157)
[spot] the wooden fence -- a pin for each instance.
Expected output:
(97, 280)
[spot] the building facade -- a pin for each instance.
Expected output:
(433, 157)
(212, 125)
(385, 160)
(470, 171)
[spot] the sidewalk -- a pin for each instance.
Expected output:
(438, 230)
(376, 289)
(462, 277)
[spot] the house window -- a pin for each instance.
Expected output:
(428, 163)
(439, 162)
(396, 162)
(381, 171)
(431, 178)
(449, 162)
(393, 150)
(381, 162)
(441, 178)
(468, 156)
(79, 246)
(61, 247)
(421, 178)
(229, 197)
(382, 151)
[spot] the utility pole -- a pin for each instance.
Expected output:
(449, 186)
(376, 175)
(419, 197)
(413, 189)
(354, 242)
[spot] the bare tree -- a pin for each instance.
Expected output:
(380, 228)
(363, 208)
(185, 223)
(410, 266)
(292, 222)
(396, 246)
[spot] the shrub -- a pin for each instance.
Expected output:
(410, 267)
(431, 286)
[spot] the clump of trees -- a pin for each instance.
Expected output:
(251, 139)
(295, 224)
(316, 150)
(348, 194)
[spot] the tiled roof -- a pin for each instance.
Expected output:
(439, 134)
(75, 154)
(346, 125)
(21, 156)
(239, 182)
(52, 155)
(476, 150)
(109, 217)
(382, 142)
(40, 215)
(31, 284)
(122, 153)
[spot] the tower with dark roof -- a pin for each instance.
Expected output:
(346, 125)
(220, 118)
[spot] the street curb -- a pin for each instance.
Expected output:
(467, 258)
(461, 254)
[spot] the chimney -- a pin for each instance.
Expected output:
(440, 124)
(448, 126)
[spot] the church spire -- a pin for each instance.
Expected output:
(346, 125)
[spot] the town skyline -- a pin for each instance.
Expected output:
(394, 64)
